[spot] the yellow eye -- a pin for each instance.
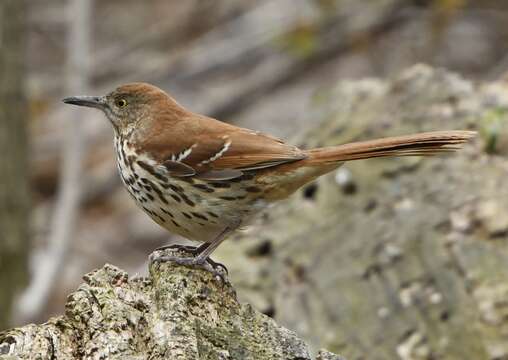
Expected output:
(121, 103)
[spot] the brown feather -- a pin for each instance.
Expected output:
(422, 144)
(220, 175)
(282, 181)
(191, 143)
(178, 169)
(207, 137)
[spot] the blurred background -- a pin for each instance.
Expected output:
(260, 64)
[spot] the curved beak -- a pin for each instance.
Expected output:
(89, 101)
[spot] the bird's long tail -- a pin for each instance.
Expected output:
(422, 144)
(323, 160)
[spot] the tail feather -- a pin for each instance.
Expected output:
(422, 144)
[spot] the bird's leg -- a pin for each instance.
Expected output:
(201, 259)
(194, 250)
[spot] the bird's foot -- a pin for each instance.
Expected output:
(215, 268)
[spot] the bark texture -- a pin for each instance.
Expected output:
(175, 313)
(14, 194)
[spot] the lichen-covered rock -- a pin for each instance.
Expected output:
(326, 355)
(175, 313)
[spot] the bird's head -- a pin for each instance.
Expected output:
(131, 106)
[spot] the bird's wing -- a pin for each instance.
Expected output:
(210, 149)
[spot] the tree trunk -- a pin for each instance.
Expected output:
(14, 194)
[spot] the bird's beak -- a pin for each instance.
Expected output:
(89, 101)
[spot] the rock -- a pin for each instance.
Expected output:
(175, 313)
(326, 355)
(414, 263)
(494, 217)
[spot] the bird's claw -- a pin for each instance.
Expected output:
(215, 268)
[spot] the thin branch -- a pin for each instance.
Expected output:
(67, 204)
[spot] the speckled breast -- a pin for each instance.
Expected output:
(193, 208)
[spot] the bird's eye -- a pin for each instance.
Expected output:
(121, 103)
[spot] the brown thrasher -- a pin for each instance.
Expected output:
(202, 178)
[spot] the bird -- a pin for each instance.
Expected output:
(203, 179)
